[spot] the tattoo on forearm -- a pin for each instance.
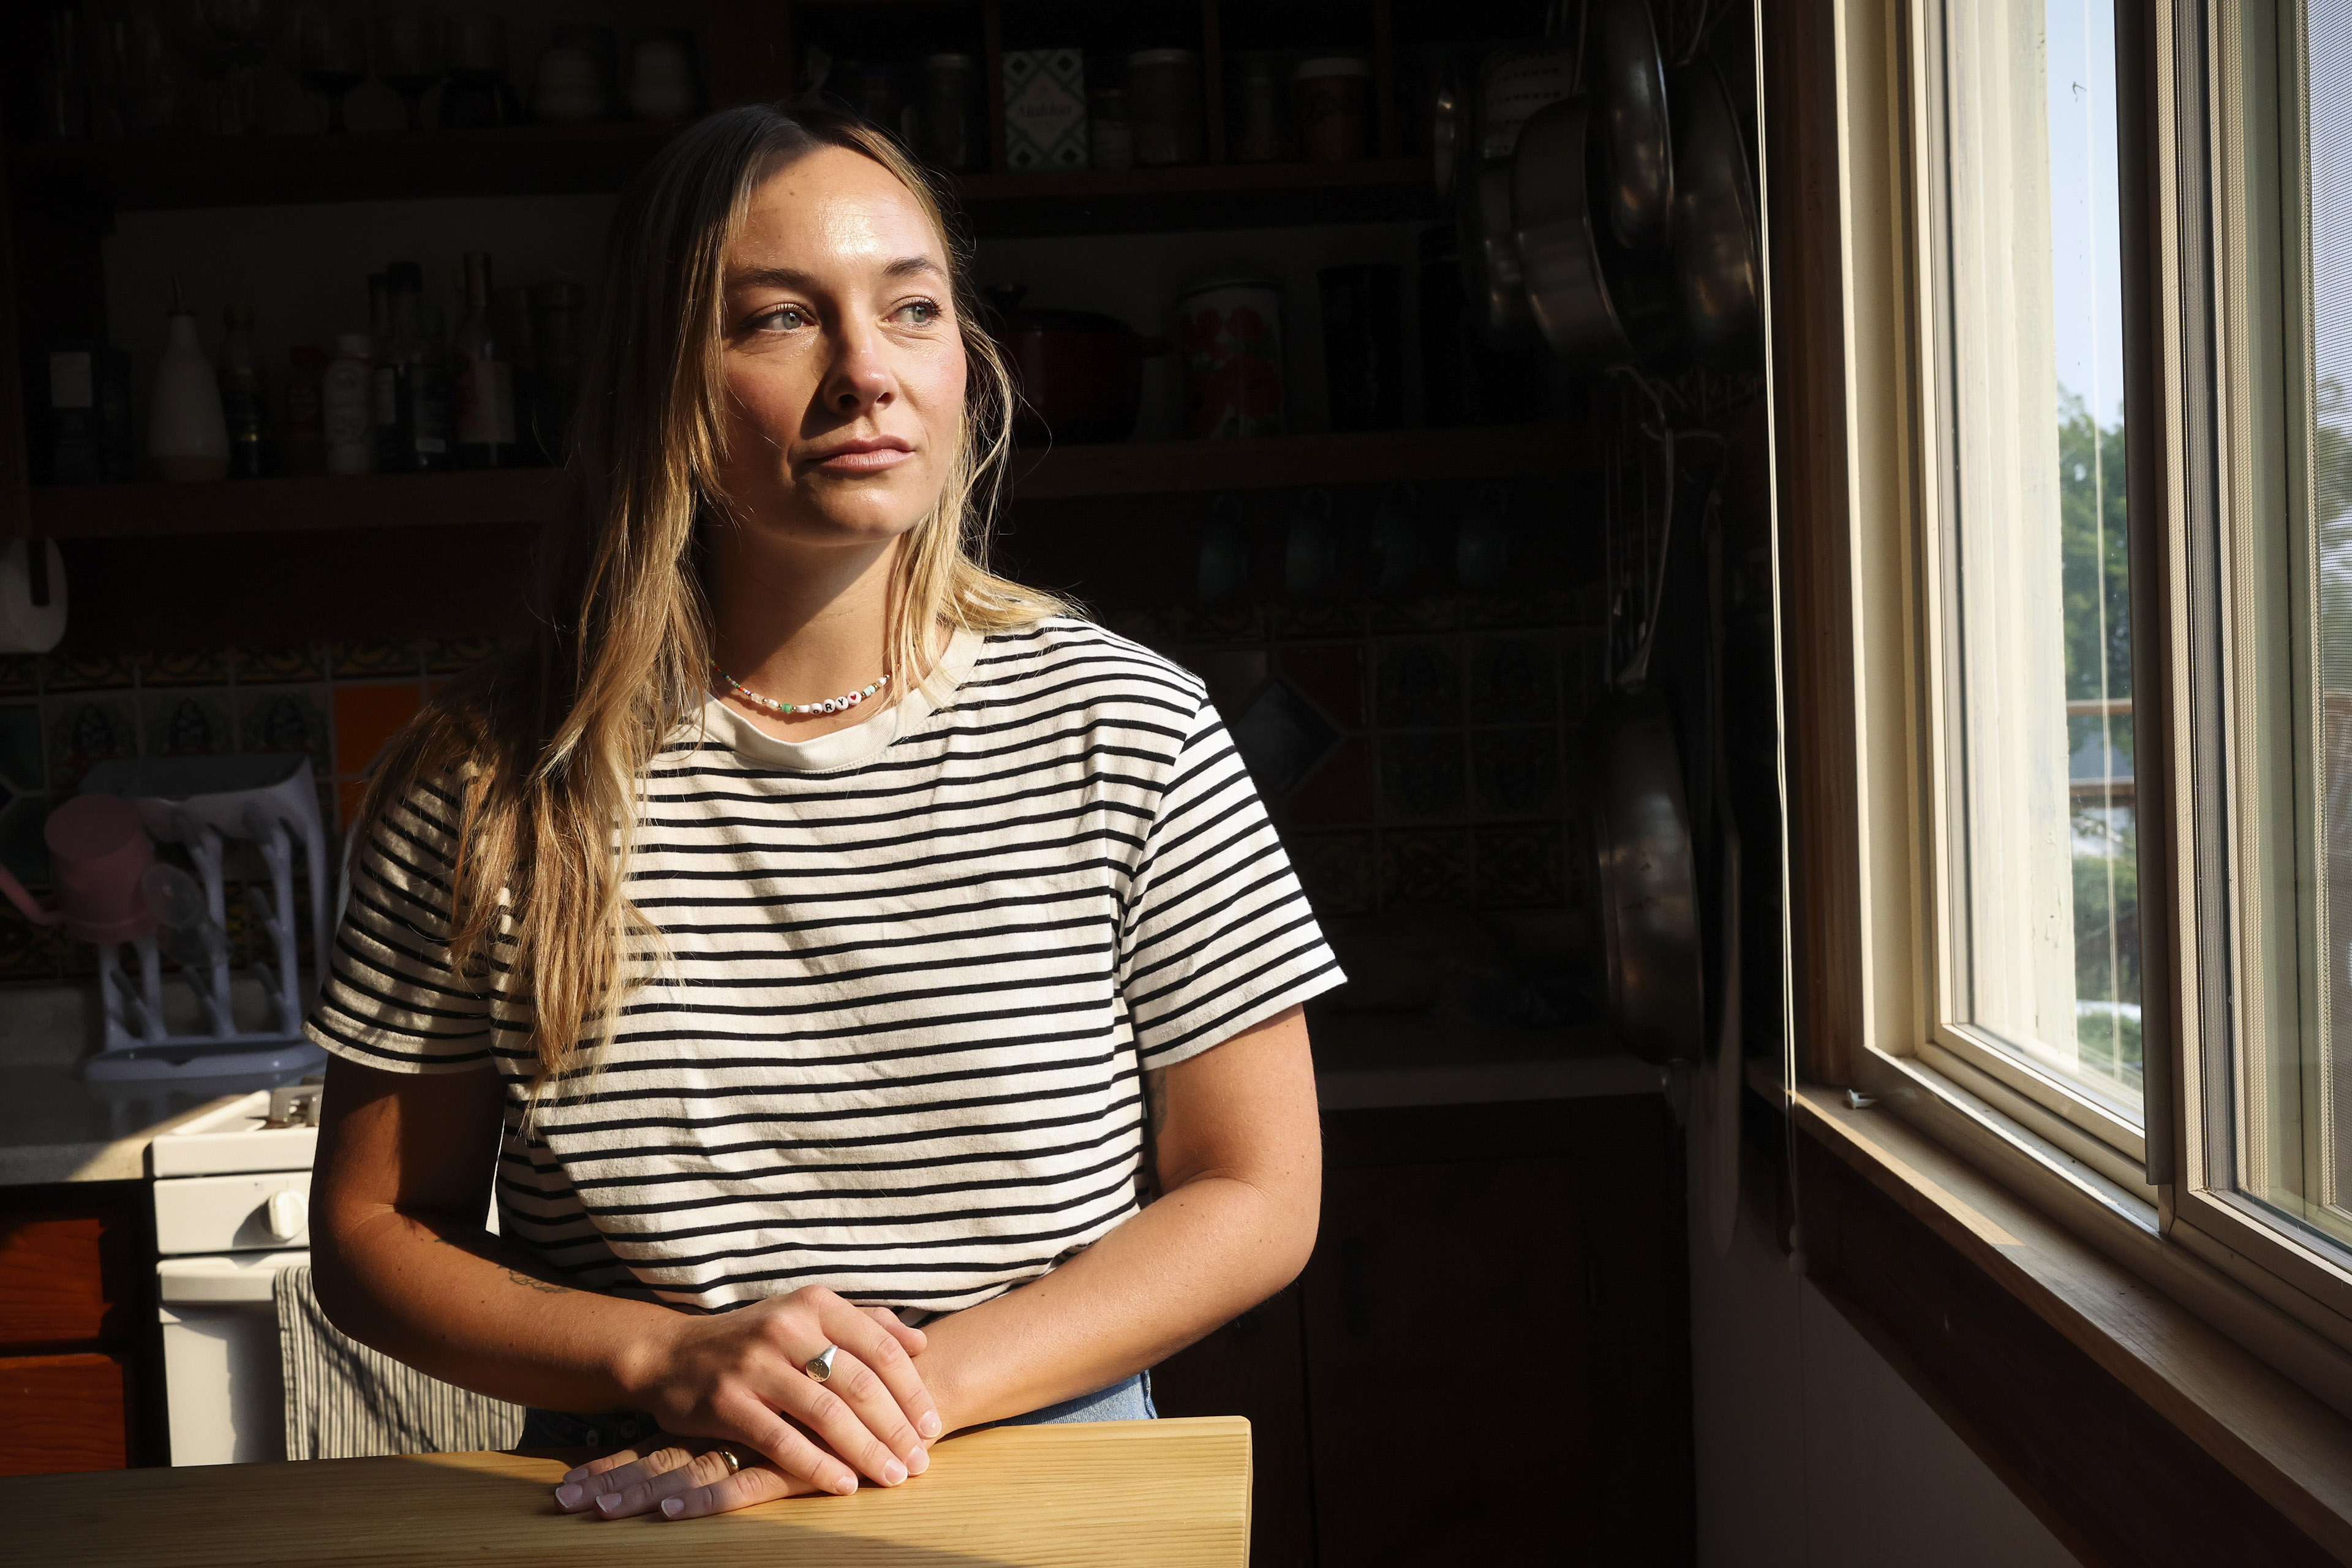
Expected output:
(531, 1282)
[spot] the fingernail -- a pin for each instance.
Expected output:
(846, 1485)
(673, 1506)
(920, 1462)
(893, 1473)
(567, 1496)
(930, 1425)
(609, 1501)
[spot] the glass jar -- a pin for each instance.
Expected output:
(1335, 95)
(1257, 97)
(1110, 130)
(1163, 90)
(951, 136)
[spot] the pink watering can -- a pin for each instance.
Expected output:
(99, 849)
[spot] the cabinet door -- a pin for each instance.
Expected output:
(1255, 1366)
(1447, 1378)
(61, 1413)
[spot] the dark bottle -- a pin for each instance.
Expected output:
(242, 396)
(383, 378)
(304, 447)
(555, 312)
(482, 378)
(411, 384)
(511, 325)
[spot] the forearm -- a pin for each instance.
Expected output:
(471, 1309)
(1198, 1257)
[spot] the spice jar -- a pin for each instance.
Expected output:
(1334, 100)
(1163, 90)
(1257, 137)
(952, 137)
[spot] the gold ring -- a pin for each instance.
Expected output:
(734, 1460)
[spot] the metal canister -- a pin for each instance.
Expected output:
(1233, 358)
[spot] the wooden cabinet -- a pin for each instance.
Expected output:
(77, 1386)
(1489, 1358)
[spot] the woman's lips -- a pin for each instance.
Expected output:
(865, 457)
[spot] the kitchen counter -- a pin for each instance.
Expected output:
(1121, 1494)
(1371, 1061)
(56, 1127)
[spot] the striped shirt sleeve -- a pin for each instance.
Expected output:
(391, 999)
(1217, 934)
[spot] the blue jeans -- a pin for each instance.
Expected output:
(1127, 1401)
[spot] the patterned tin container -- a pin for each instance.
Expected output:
(1044, 109)
(1233, 359)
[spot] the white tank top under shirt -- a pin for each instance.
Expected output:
(915, 969)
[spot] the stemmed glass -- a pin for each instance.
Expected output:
(228, 40)
(408, 59)
(334, 59)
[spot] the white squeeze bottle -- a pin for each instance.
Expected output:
(346, 406)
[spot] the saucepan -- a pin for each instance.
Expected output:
(1079, 374)
(1594, 302)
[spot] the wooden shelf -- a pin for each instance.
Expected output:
(524, 496)
(545, 160)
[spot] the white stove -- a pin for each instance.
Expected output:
(232, 1209)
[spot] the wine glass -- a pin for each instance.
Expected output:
(408, 59)
(334, 59)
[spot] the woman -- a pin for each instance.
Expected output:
(782, 1027)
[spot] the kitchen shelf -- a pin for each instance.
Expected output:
(522, 496)
(544, 160)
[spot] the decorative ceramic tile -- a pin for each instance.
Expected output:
(188, 724)
(1233, 676)
(28, 952)
(1333, 675)
(457, 655)
(1584, 658)
(20, 674)
(85, 732)
(20, 747)
(286, 718)
(1419, 682)
(1281, 737)
(1339, 789)
(1519, 867)
(1532, 607)
(1433, 613)
(1217, 623)
(1513, 679)
(273, 666)
(84, 672)
(1518, 771)
(347, 659)
(206, 666)
(22, 812)
(1421, 776)
(1424, 868)
(1337, 871)
(1317, 619)
(367, 716)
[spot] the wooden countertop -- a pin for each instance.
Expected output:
(1124, 1494)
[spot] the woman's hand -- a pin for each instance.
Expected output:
(736, 1376)
(685, 1478)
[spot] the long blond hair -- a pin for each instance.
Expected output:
(548, 747)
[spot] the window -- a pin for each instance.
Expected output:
(2029, 559)
(2276, 1122)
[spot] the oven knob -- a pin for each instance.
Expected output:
(289, 1214)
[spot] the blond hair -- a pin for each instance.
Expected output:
(548, 748)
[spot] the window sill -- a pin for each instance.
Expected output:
(2272, 1427)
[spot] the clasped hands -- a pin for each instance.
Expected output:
(735, 1382)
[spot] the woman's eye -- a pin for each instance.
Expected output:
(784, 318)
(918, 312)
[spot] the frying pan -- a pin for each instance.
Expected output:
(1593, 301)
(1718, 272)
(1625, 75)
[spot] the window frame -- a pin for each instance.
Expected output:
(1871, 980)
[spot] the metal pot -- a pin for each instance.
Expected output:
(1649, 897)
(1626, 77)
(1718, 267)
(1595, 303)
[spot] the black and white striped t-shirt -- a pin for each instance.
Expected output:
(917, 967)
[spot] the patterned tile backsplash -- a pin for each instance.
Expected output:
(60, 717)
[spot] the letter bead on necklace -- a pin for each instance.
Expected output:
(840, 704)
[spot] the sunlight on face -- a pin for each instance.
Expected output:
(844, 371)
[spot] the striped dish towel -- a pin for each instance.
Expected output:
(344, 1401)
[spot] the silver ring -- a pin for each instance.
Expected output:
(820, 1367)
(734, 1460)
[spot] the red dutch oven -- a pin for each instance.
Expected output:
(1080, 374)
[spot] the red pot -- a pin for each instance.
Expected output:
(1080, 374)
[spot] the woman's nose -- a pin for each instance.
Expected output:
(860, 380)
